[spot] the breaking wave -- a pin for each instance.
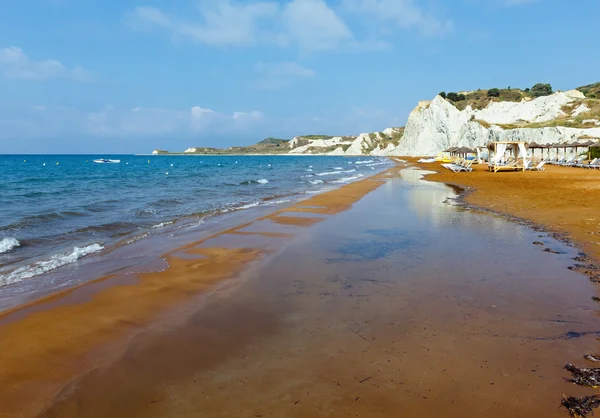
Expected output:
(8, 244)
(44, 266)
(331, 173)
(347, 179)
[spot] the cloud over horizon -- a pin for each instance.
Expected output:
(14, 63)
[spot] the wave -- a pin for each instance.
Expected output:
(364, 162)
(315, 182)
(338, 168)
(375, 164)
(54, 262)
(8, 244)
(162, 224)
(167, 202)
(347, 179)
(331, 173)
(107, 227)
(33, 220)
(249, 182)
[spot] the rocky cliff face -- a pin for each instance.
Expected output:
(438, 124)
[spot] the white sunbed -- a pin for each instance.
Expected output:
(539, 167)
(457, 168)
(591, 164)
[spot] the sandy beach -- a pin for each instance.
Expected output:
(378, 299)
(564, 200)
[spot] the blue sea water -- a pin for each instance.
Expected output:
(55, 209)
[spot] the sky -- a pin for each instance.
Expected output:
(130, 76)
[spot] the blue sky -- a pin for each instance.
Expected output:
(134, 75)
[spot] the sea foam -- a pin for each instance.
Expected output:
(8, 244)
(331, 173)
(44, 266)
(347, 179)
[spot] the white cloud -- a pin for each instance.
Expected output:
(314, 26)
(310, 25)
(14, 63)
(279, 75)
(406, 14)
(48, 122)
(221, 22)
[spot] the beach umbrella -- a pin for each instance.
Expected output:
(533, 146)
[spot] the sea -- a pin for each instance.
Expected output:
(58, 209)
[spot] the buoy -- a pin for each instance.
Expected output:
(171, 165)
(56, 163)
(148, 160)
(24, 161)
(167, 173)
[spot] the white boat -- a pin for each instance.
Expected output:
(105, 161)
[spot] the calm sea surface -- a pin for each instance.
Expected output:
(57, 209)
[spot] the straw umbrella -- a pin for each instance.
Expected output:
(533, 146)
(464, 150)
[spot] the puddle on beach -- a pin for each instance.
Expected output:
(402, 306)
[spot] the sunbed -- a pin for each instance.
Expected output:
(539, 167)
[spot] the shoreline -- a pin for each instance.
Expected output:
(529, 204)
(114, 306)
(110, 325)
(421, 340)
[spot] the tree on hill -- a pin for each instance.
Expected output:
(541, 89)
(455, 97)
(493, 93)
(443, 94)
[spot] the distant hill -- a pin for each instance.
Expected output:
(273, 141)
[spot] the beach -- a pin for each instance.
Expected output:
(379, 298)
(564, 200)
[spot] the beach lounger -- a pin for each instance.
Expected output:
(457, 168)
(591, 164)
(568, 162)
(539, 167)
(574, 162)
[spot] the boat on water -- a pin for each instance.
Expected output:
(107, 161)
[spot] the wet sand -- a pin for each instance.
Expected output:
(382, 301)
(563, 199)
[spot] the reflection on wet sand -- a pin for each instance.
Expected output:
(400, 305)
(36, 365)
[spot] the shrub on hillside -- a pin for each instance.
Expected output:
(455, 97)
(541, 89)
(493, 93)
(443, 94)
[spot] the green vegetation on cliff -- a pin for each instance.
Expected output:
(591, 91)
(479, 99)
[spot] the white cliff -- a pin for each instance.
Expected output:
(437, 125)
